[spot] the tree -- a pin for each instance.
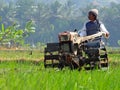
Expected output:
(54, 16)
(24, 11)
(14, 34)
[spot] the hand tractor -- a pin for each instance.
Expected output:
(76, 52)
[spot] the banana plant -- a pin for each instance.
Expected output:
(3, 33)
(29, 28)
(14, 34)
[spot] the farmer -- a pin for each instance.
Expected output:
(93, 26)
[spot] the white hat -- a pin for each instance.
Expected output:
(94, 11)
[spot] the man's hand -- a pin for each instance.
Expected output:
(107, 35)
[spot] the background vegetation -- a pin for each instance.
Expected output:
(53, 16)
(24, 69)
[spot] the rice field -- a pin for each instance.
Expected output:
(18, 71)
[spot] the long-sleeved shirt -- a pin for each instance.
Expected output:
(82, 32)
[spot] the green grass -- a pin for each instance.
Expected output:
(21, 55)
(30, 76)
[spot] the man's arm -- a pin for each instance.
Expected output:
(82, 32)
(103, 29)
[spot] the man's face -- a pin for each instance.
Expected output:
(91, 17)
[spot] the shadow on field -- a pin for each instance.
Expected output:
(112, 64)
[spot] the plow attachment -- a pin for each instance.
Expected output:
(97, 58)
(51, 55)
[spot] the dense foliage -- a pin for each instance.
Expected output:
(51, 18)
(15, 36)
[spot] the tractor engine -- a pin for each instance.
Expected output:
(68, 49)
(68, 42)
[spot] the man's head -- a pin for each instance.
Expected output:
(92, 14)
